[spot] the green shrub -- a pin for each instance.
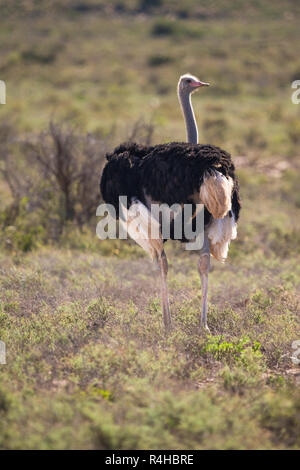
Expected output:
(281, 416)
(148, 5)
(157, 60)
(165, 27)
(99, 310)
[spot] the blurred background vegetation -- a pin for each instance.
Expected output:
(88, 363)
(99, 69)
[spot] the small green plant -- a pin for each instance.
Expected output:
(222, 349)
(95, 391)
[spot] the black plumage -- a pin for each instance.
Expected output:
(121, 176)
(168, 173)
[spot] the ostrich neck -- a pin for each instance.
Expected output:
(189, 117)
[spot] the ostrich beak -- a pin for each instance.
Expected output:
(199, 84)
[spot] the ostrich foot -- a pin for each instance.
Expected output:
(204, 327)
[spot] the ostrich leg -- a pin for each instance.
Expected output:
(163, 267)
(203, 268)
(139, 223)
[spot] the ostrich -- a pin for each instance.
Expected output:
(176, 173)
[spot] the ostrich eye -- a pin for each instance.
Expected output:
(188, 80)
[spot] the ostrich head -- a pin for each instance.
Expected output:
(188, 84)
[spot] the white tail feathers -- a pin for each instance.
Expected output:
(215, 194)
(220, 233)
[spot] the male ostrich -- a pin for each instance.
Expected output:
(176, 173)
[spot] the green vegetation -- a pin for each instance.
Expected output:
(86, 346)
(88, 362)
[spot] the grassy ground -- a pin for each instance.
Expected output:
(88, 362)
(89, 365)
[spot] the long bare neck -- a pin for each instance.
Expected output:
(189, 117)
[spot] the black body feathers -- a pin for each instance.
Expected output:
(169, 173)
